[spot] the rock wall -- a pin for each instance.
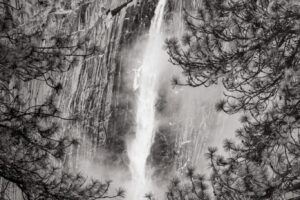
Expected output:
(98, 90)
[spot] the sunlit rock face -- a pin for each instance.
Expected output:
(99, 89)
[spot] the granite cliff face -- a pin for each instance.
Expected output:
(97, 89)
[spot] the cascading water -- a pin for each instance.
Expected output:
(146, 82)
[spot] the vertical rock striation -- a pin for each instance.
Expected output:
(97, 89)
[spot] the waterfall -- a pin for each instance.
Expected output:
(146, 81)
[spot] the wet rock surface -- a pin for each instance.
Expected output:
(96, 89)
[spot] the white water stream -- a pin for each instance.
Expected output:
(146, 81)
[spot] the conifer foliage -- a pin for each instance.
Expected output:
(251, 47)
